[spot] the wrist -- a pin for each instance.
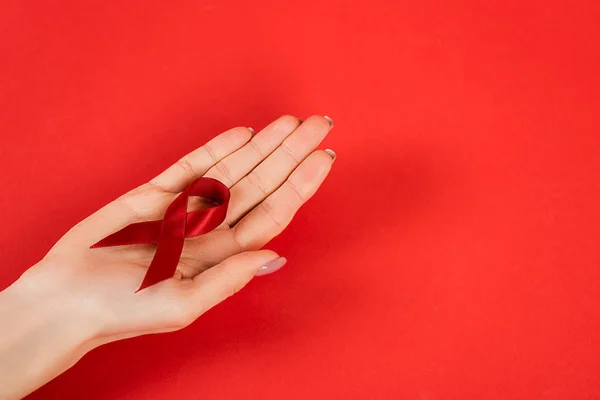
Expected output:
(43, 333)
(49, 302)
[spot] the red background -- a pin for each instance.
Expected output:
(453, 253)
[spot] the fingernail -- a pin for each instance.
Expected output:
(329, 120)
(252, 131)
(331, 153)
(272, 266)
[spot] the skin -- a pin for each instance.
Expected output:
(76, 298)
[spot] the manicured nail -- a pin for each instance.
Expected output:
(252, 131)
(331, 153)
(271, 266)
(329, 120)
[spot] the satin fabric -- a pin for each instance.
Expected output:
(177, 224)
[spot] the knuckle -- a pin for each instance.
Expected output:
(231, 285)
(127, 206)
(224, 171)
(257, 148)
(207, 147)
(300, 196)
(289, 151)
(256, 181)
(237, 241)
(185, 165)
(268, 209)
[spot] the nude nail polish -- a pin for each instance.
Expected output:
(271, 266)
(329, 120)
(331, 153)
(252, 131)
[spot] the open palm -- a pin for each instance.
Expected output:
(270, 175)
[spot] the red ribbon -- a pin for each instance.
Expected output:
(177, 224)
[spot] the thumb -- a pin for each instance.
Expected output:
(230, 276)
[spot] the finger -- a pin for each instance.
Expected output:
(149, 201)
(225, 279)
(271, 216)
(237, 165)
(173, 304)
(135, 206)
(195, 164)
(275, 169)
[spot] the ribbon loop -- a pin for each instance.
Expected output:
(177, 224)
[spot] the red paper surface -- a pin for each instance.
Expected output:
(469, 130)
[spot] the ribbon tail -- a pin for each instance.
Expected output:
(147, 232)
(170, 242)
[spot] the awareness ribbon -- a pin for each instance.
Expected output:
(176, 225)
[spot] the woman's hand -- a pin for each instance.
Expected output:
(90, 294)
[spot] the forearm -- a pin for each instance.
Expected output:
(41, 336)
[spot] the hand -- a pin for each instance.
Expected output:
(270, 176)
